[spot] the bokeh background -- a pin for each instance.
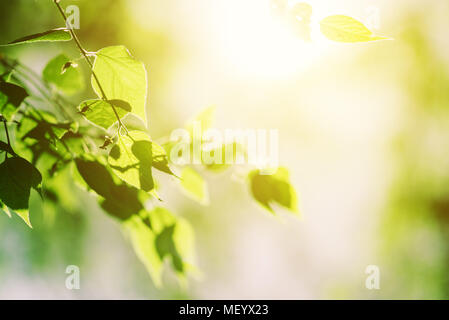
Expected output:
(364, 130)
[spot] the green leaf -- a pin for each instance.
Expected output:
(346, 29)
(43, 128)
(24, 214)
(119, 200)
(131, 160)
(101, 113)
(121, 77)
(11, 97)
(159, 235)
(18, 177)
(276, 188)
(160, 159)
(60, 34)
(194, 185)
(4, 209)
(68, 80)
(96, 176)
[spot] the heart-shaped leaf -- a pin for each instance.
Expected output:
(121, 77)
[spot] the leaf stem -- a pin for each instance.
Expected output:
(86, 57)
(7, 136)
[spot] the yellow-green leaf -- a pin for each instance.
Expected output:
(121, 77)
(194, 185)
(100, 112)
(346, 29)
(275, 188)
(131, 160)
(158, 235)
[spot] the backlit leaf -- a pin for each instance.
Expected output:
(68, 80)
(346, 29)
(160, 159)
(131, 160)
(101, 113)
(194, 185)
(271, 189)
(159, 235)
(121, 77)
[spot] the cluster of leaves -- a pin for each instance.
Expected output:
(104, 141)
(338, 28)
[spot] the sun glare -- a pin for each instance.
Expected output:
(256, 42)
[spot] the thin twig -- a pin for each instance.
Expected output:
(7, 137)
(87, 58)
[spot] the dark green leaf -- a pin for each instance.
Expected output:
(119, 200)
(18, 176)
(4, 147)
(11, 97)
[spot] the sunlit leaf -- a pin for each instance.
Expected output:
(160, 159)
(131, 159)
(159, 235)
(60, 34)
(4, 209)
(194, 185)
(11, 97)
(68, 80)
(121, 77)
(133, 122)
(346, 29)
(101, 112)
(271, 189)
(24, 214)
